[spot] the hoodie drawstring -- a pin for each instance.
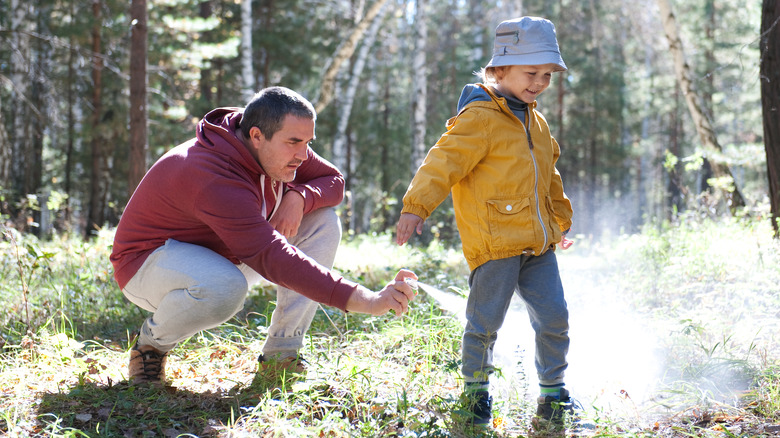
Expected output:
(277, 195)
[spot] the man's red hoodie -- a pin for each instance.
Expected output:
(207, 191)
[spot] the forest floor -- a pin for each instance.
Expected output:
(674, 333)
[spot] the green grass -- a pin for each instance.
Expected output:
(709, 287)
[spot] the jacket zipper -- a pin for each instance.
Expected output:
(536, 182)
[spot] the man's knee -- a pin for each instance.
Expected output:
(224, 298)
(325, 221)
(319, 235)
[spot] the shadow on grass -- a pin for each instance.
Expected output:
(125, 410)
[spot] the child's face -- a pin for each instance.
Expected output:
(525, 82)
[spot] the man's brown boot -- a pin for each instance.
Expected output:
(289, 366)
(147, 365)
(275, 372)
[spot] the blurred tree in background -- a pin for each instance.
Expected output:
(770, 97)
(631, 151)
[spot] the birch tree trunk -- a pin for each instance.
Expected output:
(138, 113)
(420, 76)
(342, 54)
(247, 71)
(479, 45)
(770, 102)
(700, 120)
(341, 156)
(516, 9)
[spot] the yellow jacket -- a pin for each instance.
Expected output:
(507, 193)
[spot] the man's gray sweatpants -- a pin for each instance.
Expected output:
(537, 281)
(190, 288)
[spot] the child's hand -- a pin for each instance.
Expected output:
(565, 243)
(407, 224)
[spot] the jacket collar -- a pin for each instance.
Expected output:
(496, 102)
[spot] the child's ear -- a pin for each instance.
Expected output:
(500, 72)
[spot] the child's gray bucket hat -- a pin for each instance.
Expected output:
(526, 41)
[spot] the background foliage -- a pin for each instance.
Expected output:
(630, 153)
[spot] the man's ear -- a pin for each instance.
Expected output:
(255, 133)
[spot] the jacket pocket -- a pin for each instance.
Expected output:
(552, 223)
(511, 223)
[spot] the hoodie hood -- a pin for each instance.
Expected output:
(483, 93)
(473, 93)
(217, 132)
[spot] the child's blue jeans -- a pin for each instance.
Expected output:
(537, 281)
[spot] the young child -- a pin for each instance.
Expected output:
(498, 159)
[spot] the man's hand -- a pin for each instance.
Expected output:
(288, 217)
(407, 224)
(395, 296)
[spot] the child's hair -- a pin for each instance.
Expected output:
(491, 75)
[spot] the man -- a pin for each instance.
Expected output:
(247, 198)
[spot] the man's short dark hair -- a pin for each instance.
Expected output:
(268, 108)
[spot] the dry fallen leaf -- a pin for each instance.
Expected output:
(171, 433)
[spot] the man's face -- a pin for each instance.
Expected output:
(281, 156)
(526, 82)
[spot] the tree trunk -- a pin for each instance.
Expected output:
(267, 13)
(247, 55)
(388, 213)
(770, 102)
(708, 105)
(206, 81)
(476, 27)
(700, 120)
(343, 53)
(644, 196)
(41, 53)
(20, 78)
(71, 142)
(709, 56)
(138, 113)
(592, 172)
(560, 128)
(420, 79)
(675, 187)
(340, 155)
(5, 155)
(96, 214)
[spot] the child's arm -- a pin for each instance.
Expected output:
(456, 153)
(561, 203)
(407, 224)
